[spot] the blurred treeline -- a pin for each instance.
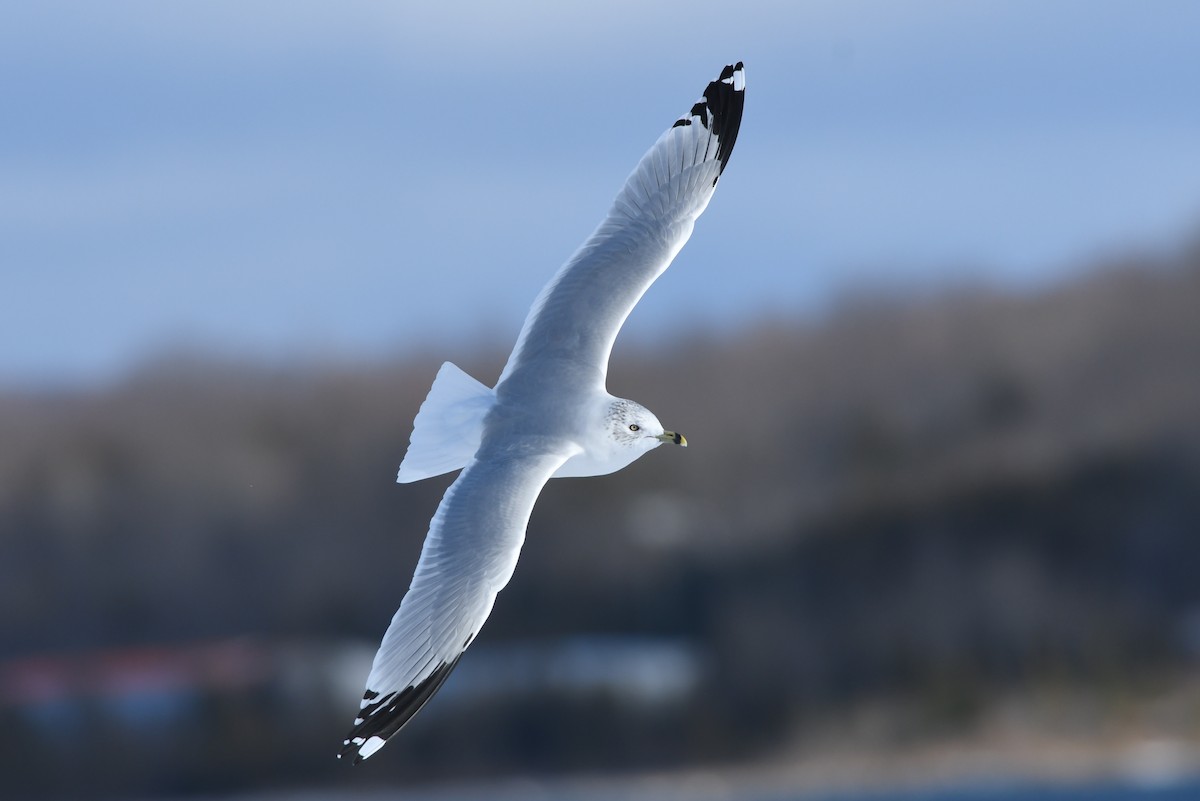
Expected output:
(937, 499)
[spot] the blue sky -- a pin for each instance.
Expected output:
(356, 179)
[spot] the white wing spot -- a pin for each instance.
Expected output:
(372, 745)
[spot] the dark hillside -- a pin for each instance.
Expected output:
(931, 500)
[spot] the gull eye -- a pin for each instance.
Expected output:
(634, 427)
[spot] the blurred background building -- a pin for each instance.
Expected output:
(935, 344)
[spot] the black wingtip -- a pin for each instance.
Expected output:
(383, 716)
(720, 110)
(726, 98)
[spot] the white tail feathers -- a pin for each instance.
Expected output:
(448, 427)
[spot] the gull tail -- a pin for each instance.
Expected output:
(448, 427)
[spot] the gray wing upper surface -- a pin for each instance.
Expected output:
(577, 316)
(468, 556)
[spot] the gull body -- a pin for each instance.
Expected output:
(549, 415)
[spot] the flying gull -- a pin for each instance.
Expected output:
(549, 415)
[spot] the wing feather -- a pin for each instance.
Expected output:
(577, 316)
(468, 557)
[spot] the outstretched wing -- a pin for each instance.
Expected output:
(576, 317)
(468, 557)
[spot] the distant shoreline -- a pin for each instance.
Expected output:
(955, 765)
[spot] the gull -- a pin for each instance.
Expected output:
(549, 415)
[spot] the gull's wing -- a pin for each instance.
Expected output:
(468, 557)
(577, 316)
